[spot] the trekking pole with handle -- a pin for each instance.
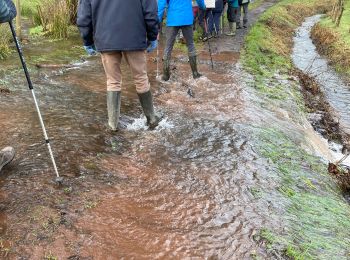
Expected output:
(59, 179)
(206, 30)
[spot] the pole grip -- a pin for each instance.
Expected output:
(20, 53)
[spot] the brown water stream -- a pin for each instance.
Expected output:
(178, 192)
(184, 191)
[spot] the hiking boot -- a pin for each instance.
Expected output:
(113, 107)
(204, 37)
(232, 29)
(146, 101)
(193, 63)
(6, 156)
(166, 69)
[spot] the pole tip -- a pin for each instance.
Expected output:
(59, 180)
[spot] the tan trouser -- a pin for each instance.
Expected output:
(136, 60)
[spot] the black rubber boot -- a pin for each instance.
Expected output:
(193, 63)
(166, 69)
(146, 101)
(6, 156)
(113, 107)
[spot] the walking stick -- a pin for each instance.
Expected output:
(157, 60)
(59, 179)
(206, 30)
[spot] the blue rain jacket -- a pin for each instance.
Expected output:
(179, 12)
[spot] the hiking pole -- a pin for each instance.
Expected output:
(157, 60)
(206, 30)
(59, 179)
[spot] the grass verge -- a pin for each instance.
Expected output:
(315, 215)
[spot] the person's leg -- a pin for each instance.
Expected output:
(201, 22)
(210, 19)
(171, 33)
(192, 53)
(246, 13)
(231, 21)
(137, 61)
(217, 19)
(238, 17)
(6, 156)
(111, 62)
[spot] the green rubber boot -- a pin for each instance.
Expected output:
(232, 29)
(166, 69)
(113, 107)
(193, 63)
(146, 101)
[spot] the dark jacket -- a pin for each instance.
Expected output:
(7, 11)
(118, 25)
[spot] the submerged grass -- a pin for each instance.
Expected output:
(316, 218)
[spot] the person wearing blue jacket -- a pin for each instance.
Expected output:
(121, 28)
(179, 17)
(7, 13)
(232, 12)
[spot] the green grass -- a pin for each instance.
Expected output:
(256, 4)
(317, 218)
(339, 51)
(29, 9)
(344, 27)
(5, 40)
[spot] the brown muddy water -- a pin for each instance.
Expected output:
(335, 89)
(182, 191)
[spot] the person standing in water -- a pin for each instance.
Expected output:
(243, 4)
(179, 17)
(7, 14)
(116, 29)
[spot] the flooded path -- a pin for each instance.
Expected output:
(183, 191)
(336, 90)
(180, 191)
